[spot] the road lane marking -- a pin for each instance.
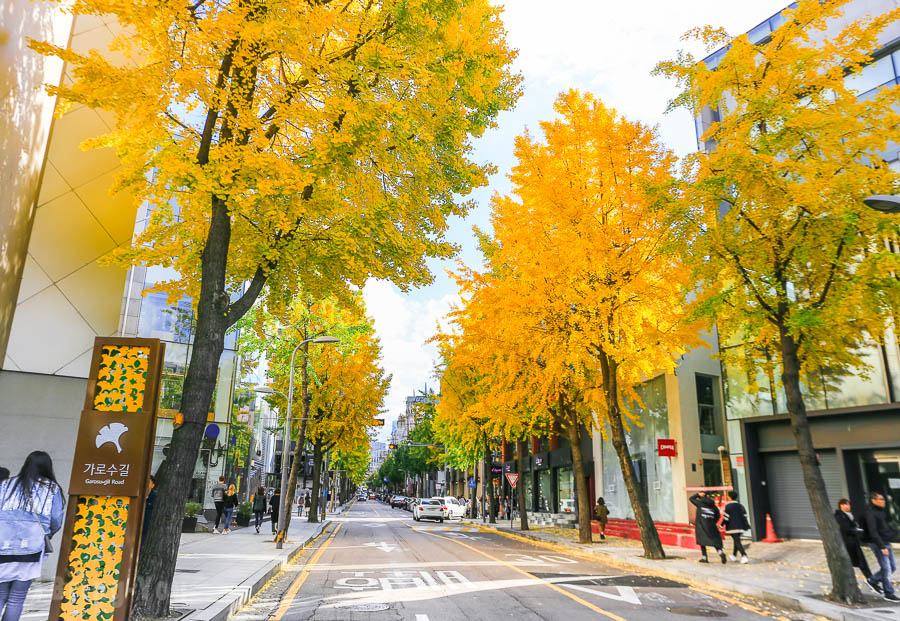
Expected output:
(546, 583)
(421, 617)
(295, 587)
(626, 593)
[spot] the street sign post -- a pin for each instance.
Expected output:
(513, 479)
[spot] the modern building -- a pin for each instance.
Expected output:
(57, 224)
(854, 417)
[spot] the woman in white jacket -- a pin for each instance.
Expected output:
(31, 508)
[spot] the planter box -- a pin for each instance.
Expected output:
(242, 520)
(189, 524)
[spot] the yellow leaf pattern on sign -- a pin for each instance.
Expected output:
(98, 538)
(121, 379)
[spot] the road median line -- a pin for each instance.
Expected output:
(291, 594)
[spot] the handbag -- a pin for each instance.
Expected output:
(48, 546)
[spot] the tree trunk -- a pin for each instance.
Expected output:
(649, 536)
(157, 560)
(843, 579)
(520, 484)
(301, 440)
(570, 416)
(313, 515)
(489, 480)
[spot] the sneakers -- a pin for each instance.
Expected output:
(875, 587)
(732, 558)
(704, 560)
(744, 560)
(892, 598)
(215, 531)
(602, 536)
(257, 530)
(723, 557)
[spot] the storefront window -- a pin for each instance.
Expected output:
(545, 492)
(654, 473)
(566, 486)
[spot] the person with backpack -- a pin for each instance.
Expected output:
(850, 533)
(259, 506)
(878, 534)
(736, 523)
(218, 495)
(31, 512)
(705, 526)
(601, 514)
(230, 503)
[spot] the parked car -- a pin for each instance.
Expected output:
(453, 508)
(429, 509)
(397, 502)
(410, 503)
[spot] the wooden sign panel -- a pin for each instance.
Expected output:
(109, 484)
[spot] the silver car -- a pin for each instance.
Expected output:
(429, 509)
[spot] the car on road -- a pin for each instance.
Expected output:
(429, 509)
(454, 510)
(371, 496)
(397, 502)
(361, 497)
(409, 503)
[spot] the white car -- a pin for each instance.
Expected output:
(455, 510)
(429, 509)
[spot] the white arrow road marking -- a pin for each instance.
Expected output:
(381, 545)
(626, 593)
(421, 617)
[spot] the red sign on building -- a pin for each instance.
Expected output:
(665, 447)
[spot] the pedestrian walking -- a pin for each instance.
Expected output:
(850, 533)
(308, 502)
(300, 504)
(705, 526)
(259, 506)
(736, 522)
(31, 511)
(218, 495)
(601, 514)
(878, 534)
(230, 503)
(274, 507)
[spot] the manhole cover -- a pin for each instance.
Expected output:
(695, 611)
(366, 607)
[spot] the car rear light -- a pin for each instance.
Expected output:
(443, 508)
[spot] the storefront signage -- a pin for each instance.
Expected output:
(665, 447)
(508, 466)
(739, 460)
(541, 461)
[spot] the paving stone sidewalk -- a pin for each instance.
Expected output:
(215, 575)
(791, 574)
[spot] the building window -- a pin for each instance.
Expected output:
(706, 404)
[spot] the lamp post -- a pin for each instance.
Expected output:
(885, 203)
(279, 540)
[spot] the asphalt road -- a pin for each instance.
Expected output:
(375, 563)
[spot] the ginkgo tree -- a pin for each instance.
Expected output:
(287, 145)
(586, 283)
(792, 263)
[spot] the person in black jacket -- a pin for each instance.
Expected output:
(736, 523)
(705, 529)
(259, 506)
(850, 532)
(275, 507)
(879, 533)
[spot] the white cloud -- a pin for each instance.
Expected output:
(404, 325)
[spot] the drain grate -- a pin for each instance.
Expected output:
(695, 611)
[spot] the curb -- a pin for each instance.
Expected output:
(231, 603)
(795, 602)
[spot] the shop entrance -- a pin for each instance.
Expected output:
(881, 473)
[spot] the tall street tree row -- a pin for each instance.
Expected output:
(290, 146)
(790, 260)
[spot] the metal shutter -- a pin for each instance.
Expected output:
(789, 501)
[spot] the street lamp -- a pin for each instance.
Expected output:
(279, 540)
(885, 203)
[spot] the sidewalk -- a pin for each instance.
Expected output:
(215, 575)
(791, 574)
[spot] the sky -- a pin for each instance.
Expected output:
(605, 47)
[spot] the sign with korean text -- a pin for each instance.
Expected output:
(110, 455)
(513, 479)
(665, 447)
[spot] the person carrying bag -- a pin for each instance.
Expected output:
(31, 512)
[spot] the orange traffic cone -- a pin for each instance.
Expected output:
(771, 537)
